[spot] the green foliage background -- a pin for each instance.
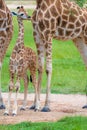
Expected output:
(80, 2)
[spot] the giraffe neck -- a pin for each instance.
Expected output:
(20, 39)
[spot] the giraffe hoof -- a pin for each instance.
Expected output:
(22, 109)
(6, 114)
(2, 107)
(45, 109)
(14, 114)
(36, 110)
(32, 107)
(84, 107)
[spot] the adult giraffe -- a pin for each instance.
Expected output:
(63, 20)
(6, 29)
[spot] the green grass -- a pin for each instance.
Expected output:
(69, 74)
(68, 123)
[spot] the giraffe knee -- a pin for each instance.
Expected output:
(17, 86)
(11, 86)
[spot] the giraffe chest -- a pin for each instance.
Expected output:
(17, 63)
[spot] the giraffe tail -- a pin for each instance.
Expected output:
(30, 78)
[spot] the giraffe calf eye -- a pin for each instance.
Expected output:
(22, 14)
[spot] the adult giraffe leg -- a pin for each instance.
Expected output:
(40, 70)
(36, 104)
(48, 48)
(2, 106)
(40, 50)
(81, 44)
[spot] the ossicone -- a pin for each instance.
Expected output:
(18, 7)
(22, 7)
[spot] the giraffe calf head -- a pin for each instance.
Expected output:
(22, 14)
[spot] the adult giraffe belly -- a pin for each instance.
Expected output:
(66, 33)
(70, 25)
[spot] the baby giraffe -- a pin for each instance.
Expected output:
(22, 59)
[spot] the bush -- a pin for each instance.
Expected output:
(80, 2)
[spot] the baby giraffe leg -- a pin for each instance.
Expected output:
(17, 87)
(26, 82)
(11, 86)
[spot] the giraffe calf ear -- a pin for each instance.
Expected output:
(13, 13)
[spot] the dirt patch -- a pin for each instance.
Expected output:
(61, 106)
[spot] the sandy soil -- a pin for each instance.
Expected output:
(61, 106)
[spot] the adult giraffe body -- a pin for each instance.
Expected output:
(6, 29)
(63, 20)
